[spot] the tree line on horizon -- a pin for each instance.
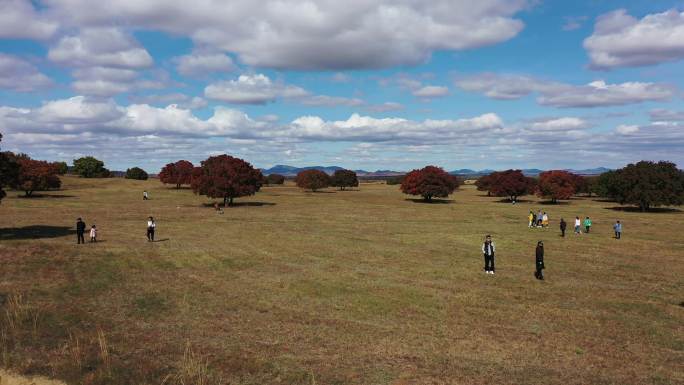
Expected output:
(644, 184)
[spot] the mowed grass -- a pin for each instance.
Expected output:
(336, 287)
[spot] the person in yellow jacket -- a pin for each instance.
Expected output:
(531, 218)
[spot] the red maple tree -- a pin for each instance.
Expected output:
(511, 184)
(178, 173)
(225, 177)
(429, 182)
(36, 175)
(312, 180)
(556, 184)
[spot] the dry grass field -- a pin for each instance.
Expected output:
(336, 287)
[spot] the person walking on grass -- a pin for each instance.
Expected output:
(151, 225)
(80, 231)
(545, 220)
(146, 196)
(618, 229)
(488, 250)
(93, 233)
(539, 261)
(563, 225)
(578, 223)
(531, 219)
(587, 225)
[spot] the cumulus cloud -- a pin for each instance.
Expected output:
(621, 40)
(180, 100)
(19, 20)
(108, 47)
(19, 75)
(560, 124)
(625, 129)
(290, 34)
(429, 92)
(251, 89)
(664, 115)
(204, 63)
(594, 94)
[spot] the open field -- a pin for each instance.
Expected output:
(352, 287)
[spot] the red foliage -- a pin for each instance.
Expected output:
(178, 173)
(556, 184)
(484, 183)
(429, 182)
(312, 180)
(36, 175)
(511, 184)
(225, 177)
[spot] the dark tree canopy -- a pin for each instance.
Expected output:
(62, 168)
(556, 184)
(511, 184)
(35, 175)
(136, 173)
(429, 182)
(312, 180)
(484, 183)
(178, 173)
(89, 167)
(226, 177)
(644, 184)
(9, 171)
(344, 179)
(275, 179)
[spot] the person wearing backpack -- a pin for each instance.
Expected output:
(488, 250)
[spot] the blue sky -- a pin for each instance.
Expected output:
(367, 84)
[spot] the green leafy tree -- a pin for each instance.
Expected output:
(136, 173)
(344, 179)
(645, 184)
(61, 167)
(9, 171)
(275, 179)
(89, 167)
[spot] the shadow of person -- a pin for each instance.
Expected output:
(35, 232)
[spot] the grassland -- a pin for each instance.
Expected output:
(352, 287)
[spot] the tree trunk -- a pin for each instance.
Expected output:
(28, 193)
(178, 186)
(230, 202)
(428, 198)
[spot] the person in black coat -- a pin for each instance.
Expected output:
(539, 260)
(80, 231)
(563, 226)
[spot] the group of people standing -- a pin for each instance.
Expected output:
(80, 232)
(540, 219)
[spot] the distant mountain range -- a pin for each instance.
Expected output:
(292, 171)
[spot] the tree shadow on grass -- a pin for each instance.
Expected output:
(654, 210)
(550, 203)
(241, 204)
(517, 201)
(39, 196)
(35, 232)
(433, 201)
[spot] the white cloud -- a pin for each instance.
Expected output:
(625, 129)
(559, 124)
(77, 110)
(204, 63)
(429, 92)
(594, 94)
(574, 22)
(331, 101)
(109, 47)
(290, 34)
(385, 107)
(251, 89)
(663, 115)
(620, 40)
(19, 75)
(180, 100)
(19, 20)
